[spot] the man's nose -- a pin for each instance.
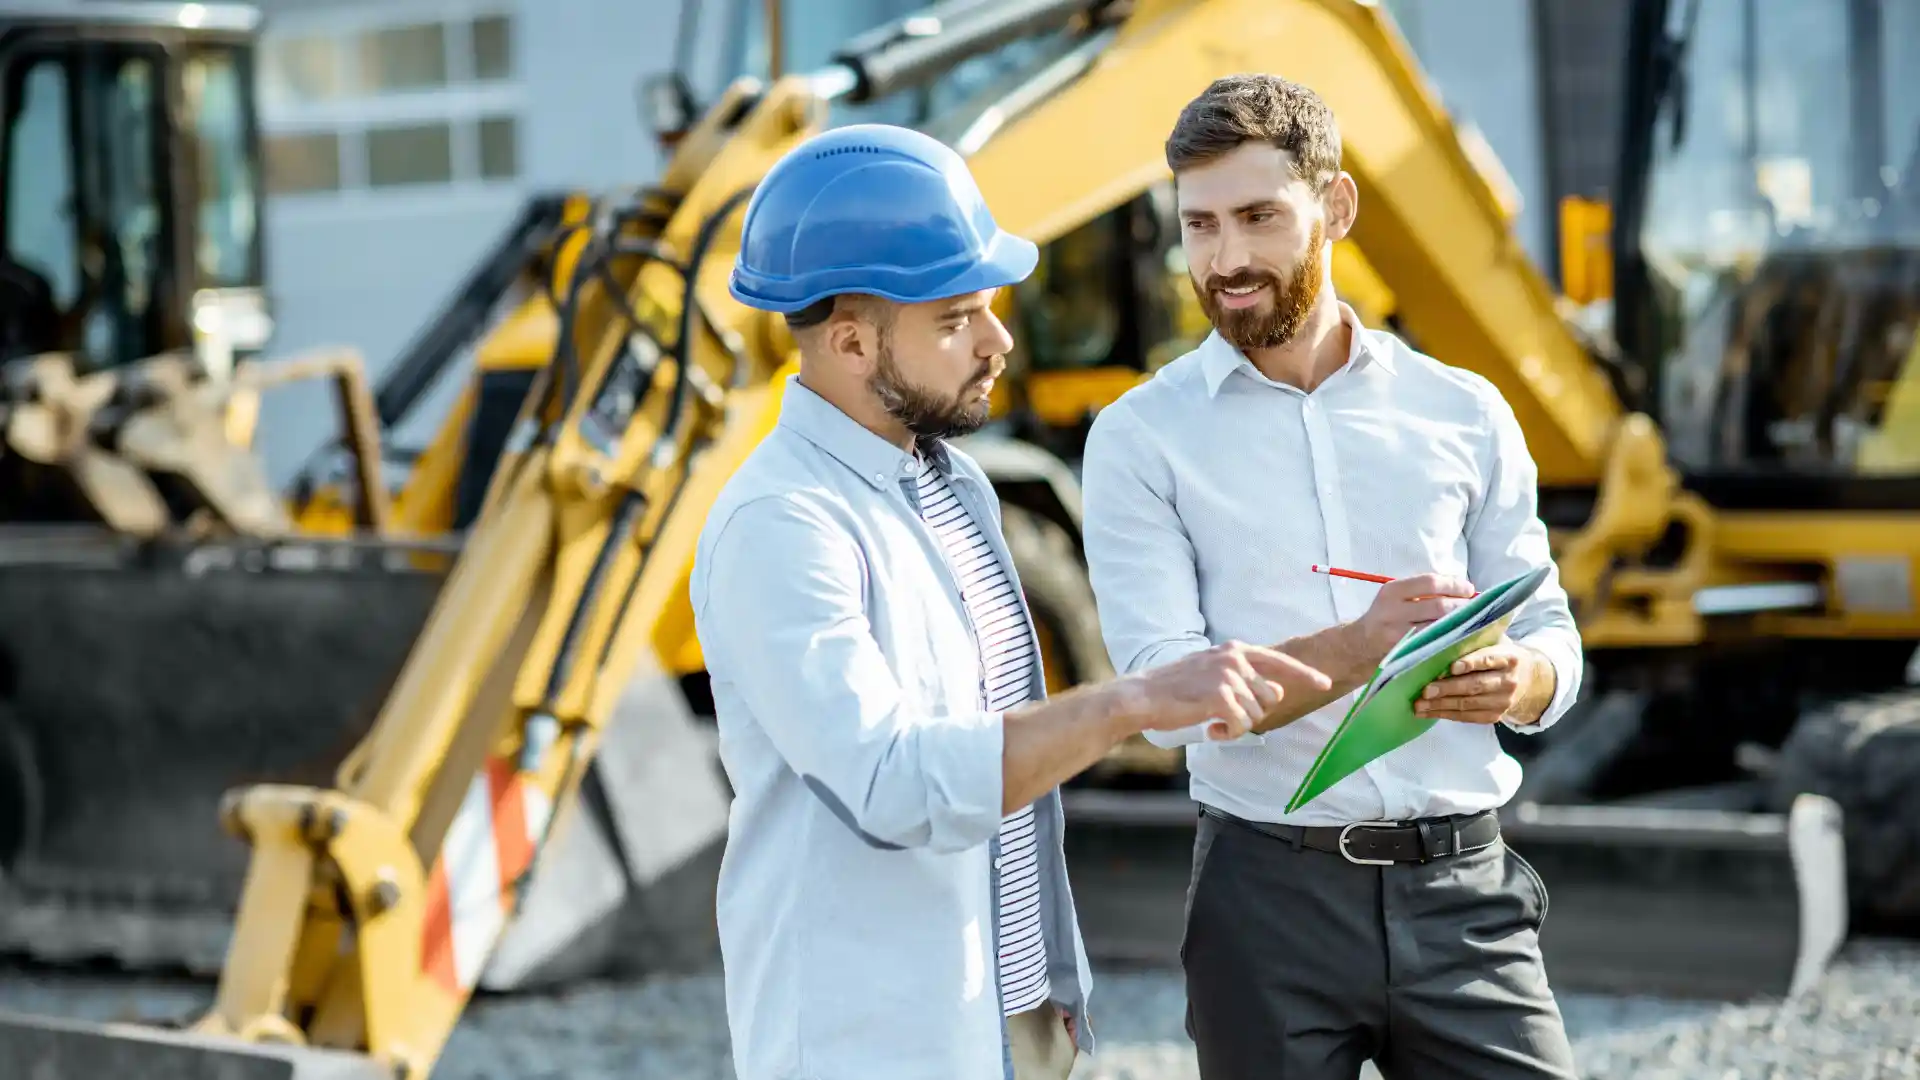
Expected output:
(995, 339)
(1230, 256)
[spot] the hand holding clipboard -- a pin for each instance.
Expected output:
(1384, 716)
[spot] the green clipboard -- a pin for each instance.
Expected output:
(1382, 717)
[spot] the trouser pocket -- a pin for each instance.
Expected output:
(1539, 886)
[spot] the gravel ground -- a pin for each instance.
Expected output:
(1863, 1023)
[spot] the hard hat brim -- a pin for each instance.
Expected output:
(1007, 260)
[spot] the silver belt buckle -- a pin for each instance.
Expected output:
(1349, 827)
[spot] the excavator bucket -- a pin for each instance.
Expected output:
(57, 1049)
(146, 681)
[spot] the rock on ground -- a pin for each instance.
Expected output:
(1861, 1023)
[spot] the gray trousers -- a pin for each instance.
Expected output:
(1301, 965)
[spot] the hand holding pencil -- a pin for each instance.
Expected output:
(1403, 604)
(1357, 575)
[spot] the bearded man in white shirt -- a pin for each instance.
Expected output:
(1385, 920)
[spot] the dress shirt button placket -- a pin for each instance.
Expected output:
(1339, 540)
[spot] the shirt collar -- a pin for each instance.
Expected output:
(1219, 359)
(850, 442)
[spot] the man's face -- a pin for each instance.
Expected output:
(937, 362)
(1253, 234)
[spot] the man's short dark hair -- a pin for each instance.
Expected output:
(1239, 109)
(872, 308)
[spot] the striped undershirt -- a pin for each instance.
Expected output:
(1007, 660)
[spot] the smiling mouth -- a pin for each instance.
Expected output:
(1241, 295)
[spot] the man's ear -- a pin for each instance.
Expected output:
(1343, 205)
(849, 339)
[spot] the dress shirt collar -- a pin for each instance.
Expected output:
(1219, 359)
(850, 442)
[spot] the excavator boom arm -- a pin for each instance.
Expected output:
(1429, 223)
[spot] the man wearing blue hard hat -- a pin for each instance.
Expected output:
(893, 899)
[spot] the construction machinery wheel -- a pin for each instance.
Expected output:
(1864, 754)
(1067, 622)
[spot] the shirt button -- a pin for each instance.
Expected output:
(879, 478)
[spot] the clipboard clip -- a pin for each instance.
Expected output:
(1352, 825)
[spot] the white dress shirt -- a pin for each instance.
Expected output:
(1211, 491)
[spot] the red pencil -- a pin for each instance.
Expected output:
(1354, 574)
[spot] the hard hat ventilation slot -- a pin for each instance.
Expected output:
(834, 151)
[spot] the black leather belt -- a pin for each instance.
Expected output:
(1382, 843)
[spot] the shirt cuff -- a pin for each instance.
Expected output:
(1568, 666)
(1196, 734)
(970, 782)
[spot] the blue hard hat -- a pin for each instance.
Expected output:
(876, 209)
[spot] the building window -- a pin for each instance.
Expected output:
(303, 69)
(302, 163)
(499, 150)
(410, 154)
(492, 40)
(390, 106)
(399, 58)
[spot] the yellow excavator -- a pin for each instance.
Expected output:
(458, 826)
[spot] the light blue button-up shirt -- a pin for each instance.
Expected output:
(857, 896)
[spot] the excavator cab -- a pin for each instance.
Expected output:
(1764, 266)
(129, 187)
(1769, 249)
(133, 313)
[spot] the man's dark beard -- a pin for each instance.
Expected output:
(1263, 327)
(929, 416)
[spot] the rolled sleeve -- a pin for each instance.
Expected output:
(1505, 538)
(1140, 559)
(779, 602)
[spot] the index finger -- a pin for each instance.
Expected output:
(1281, 668)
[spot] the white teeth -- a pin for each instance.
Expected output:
(1247, 290)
